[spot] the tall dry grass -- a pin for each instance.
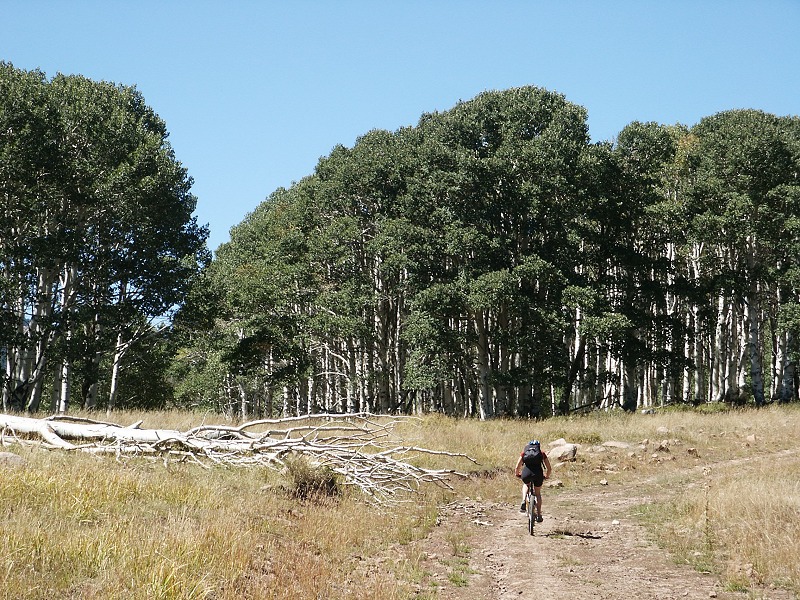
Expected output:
(741, 518)
(76, 526)
(733, 508)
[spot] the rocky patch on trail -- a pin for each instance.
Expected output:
(562, 451)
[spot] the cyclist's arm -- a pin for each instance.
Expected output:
(547, 467)
(518, 468)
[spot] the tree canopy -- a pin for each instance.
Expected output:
(491, 260)
(97, 237)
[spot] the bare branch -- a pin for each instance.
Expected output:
(353, 446)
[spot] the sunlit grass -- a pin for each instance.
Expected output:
(78, 526)
(735, 511)
(742, 523)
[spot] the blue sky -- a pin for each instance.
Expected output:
(255, 92)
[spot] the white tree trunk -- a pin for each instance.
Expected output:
(65, 373)
(699, 358)
(719, 361)
(687, 352)
(114, 386)
(482, 367)
(754, 349)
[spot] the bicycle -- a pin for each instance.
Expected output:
(530, 507)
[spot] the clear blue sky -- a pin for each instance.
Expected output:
(255, 92)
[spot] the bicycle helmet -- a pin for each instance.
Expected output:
(534, 443)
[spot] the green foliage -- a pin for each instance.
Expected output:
(490, 260)
(97, 239)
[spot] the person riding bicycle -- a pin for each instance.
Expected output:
(529, 468)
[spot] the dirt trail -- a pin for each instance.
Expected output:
(590, 546)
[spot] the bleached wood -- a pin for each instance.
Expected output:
(357, 447)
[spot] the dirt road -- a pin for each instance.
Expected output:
(589, 547)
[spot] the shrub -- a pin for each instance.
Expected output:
(308, 480)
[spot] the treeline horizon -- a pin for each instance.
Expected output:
(488, 261)
(491, 260)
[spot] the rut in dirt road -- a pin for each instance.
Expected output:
(588, 547)
(598, 553)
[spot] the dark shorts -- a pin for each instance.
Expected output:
(528, 476)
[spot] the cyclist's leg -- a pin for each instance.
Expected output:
(526, 475)
(537, 491)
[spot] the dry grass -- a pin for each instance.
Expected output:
(76, 526)
(735, 509)
(741, 521)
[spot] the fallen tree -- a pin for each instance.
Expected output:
(355, 447)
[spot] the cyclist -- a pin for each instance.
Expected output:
(532, 471)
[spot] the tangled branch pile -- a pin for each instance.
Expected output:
(356, 447)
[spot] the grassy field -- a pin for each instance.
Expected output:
(81, 526)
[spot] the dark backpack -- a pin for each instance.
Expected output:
(532, 457)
